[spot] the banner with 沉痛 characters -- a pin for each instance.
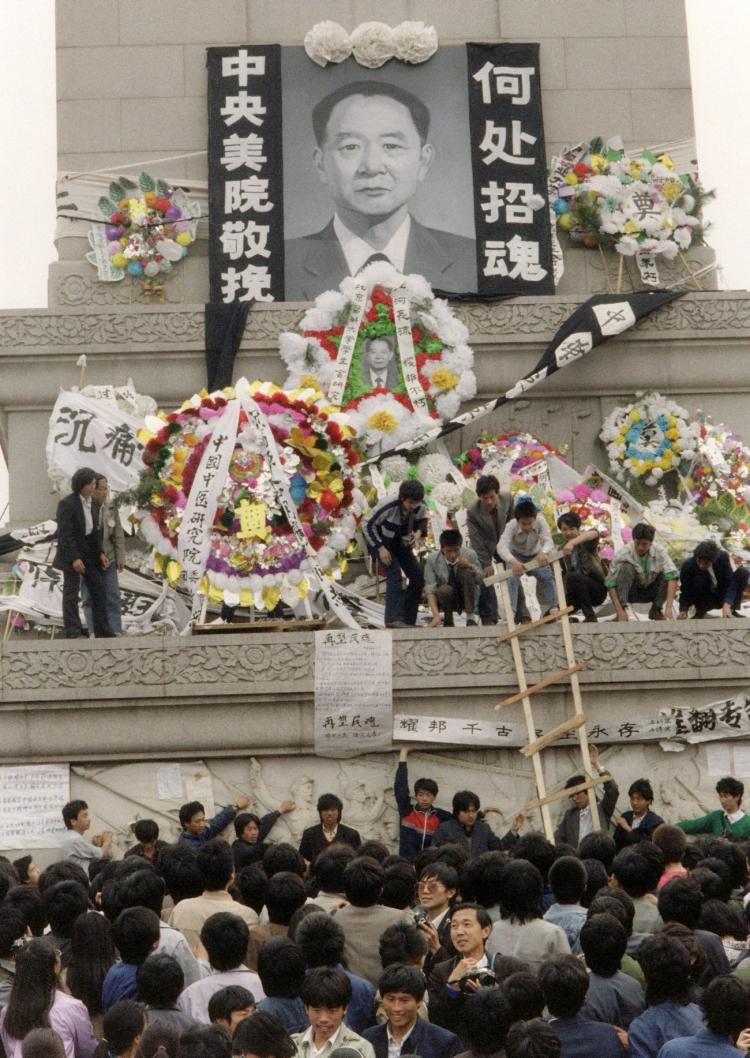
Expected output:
(93, 432)
(315, 170)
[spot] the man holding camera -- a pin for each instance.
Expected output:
(453, 980)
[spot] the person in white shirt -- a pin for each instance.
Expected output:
(224, 936)
(326, 994)
(75, 846)
(527, 536)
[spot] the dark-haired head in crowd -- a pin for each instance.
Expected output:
(215, 865)
(321, 940)
(636, 872)
(468, 829)
(564, 983)
(532, 1039)
(197, 830)
(135, 932)
(524, 995)
(613, 997)
(92, 953)
(149, 845)
(281, 968)
(364, 918)
(521, 931)
(326, 994)
(681, 901)
(206, 1041)
(262, 1036)
(160, 982)
(399, 883)
(728, 821)
(230, 1006)
(285, 893)
(27, 870)
(568, 880)
(402, 990)
(159, 1040)
(329, 831)
(124, 1026)
(639, 822)
(327, 875)
(225, 937)
(62, 904)
(251, 832)
(669, 1012)
(418, 820)
(42, 1043)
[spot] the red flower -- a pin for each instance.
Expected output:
(580, 169)
(316, 543)
(329, 500)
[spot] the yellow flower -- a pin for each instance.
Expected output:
(673, 434)
(635, 415)
(631, 228)
(635, 170)
(383, 421)
(666, 159)
(309, 382)
(671, 189)
(271, 596)
(443, 379)
(598, 163)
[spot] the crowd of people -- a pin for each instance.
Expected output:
(618, 938)
(516, 536)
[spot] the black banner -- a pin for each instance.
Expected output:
(245, 174)
(514, 250)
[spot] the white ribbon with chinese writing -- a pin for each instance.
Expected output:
(402, 319)
(648, 268)
(348, 343)
(281, 488)
(200, 509)
(85, 432)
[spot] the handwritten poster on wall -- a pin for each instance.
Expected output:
(31, 801)
(353, 692)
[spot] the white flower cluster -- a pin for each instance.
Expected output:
(372, 44)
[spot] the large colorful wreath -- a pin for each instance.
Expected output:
(637, 205)
(265, 564)
(649, 438)
(149, 226)
(517, 453)
(443, 359)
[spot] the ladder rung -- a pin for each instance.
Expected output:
(552, 736)
(541, 685)
(519, 630)
(560, 794)
(501, 578)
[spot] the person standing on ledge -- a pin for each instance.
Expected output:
(197, 830)
(727, 820)
(391, 532)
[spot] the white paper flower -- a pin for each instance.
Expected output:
(395, 468)
(328, 42)
(415, 42)
(434, 468)
(373, 44)
(447, 494)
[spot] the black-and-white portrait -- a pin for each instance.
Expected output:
(379, 363)
(377, 165)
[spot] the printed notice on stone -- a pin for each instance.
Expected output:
(353, 692)
(31, 800)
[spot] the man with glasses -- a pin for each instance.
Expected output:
(436, 891)
(586, 814)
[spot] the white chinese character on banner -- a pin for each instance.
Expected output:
(513, 81)
(241, 238)
(521, 253)
(573, 346)
(243, 150)
(240, 196)
(501, 196)
(495, 137)
(243, 106)
(243, 66)
(253, 282)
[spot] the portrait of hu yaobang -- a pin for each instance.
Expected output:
(377, 167)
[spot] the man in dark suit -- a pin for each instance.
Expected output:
(486, 519)
(329, 831)
(402, 990)
(586, 814)
(372, 153)
(79, 554)
(379, 367)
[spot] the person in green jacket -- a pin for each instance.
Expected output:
(727, 820)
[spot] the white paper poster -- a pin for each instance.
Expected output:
(353, 692)
(31, 801)
(169, 782)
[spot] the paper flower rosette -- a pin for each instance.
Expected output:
(148, 229)
(637, 205)
(721, 465)
(261, 563)
(443, 360)
(515, 453)
(649, 438)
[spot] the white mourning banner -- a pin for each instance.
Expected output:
(31, 800)
(85, 432)
(353, 692)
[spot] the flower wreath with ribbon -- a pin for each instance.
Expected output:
(431, 370)
(254, 557)
(147, 229)
(649, 438)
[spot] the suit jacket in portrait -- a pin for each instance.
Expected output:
(315, 263)
(314, 842)
(71, 530)
(486, 527)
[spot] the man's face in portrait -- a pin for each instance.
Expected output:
(372, 159)
(379, 354)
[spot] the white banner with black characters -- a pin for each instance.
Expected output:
(245, 190)
(85, 432)
(726, 719)
(353, 692)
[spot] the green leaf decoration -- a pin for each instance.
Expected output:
(107, 206)
(146, 183)
(162, 188)
(127, 183)
(727, 503)
(116, 192)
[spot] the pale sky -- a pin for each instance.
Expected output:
(719, 31)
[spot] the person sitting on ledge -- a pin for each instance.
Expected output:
(453, 580)
(391, 532)
(527, 537)
(729, 820)
(642, 571)
(485, 520)
(584, 575)
(708, 582)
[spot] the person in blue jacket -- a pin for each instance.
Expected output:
(420, 820)
(197, 830)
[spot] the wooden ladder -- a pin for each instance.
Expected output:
(577, 722)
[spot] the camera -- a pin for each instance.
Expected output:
(485, 978)
(420, 917)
